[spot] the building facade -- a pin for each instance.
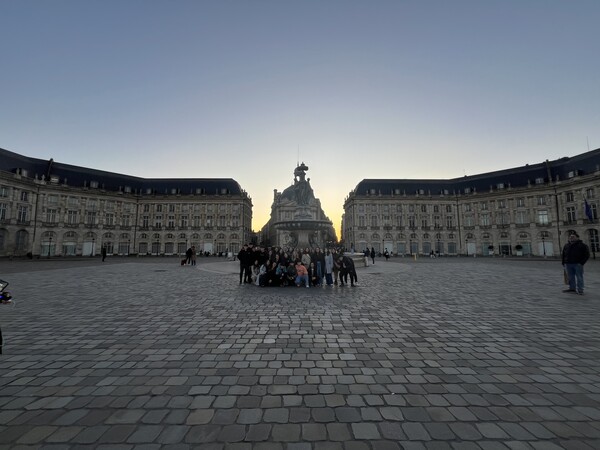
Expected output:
(524, 211)
(49, 209)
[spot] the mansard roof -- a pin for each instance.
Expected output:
(523, 176)
(81, 176)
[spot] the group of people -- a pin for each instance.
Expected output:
(190, 256)
(295, 267)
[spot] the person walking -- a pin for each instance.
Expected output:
(373, 254)
(574, 255)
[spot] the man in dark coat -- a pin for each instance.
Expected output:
(347, 268)
(575, 254)
(243, 257)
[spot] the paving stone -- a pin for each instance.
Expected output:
(242, 368)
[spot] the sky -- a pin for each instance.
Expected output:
(246, 89)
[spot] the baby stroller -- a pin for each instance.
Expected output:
(5, 296)
(5, 299)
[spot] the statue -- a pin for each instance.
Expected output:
(301, 186)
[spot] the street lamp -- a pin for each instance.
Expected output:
(438, 248)
(467, 246)
(50, 247)
(128, 243)
(544, 244)
(92, 252)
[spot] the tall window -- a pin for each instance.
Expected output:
(570, 197)
(24, 196)
(184, 221)
(158, 221)
(3, 208)
(51, 215)
(541, 200)
(520, 202)
(449, 222)
(485, 220)
(90, 218)
(594, 243)
(543, 217)
(22, 214)
(521, 217)
(126, 220)
(171, 221)
(72, 217)
(145, 221)
(571, 217)
(109, 219)
(373, 220)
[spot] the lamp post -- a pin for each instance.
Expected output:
(467, 246)
(128, 243)
(50, 247)
(544, 245)
(438, 248)
(92, 252)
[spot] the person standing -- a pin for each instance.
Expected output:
(242, 257)
(373, 254)
(103, 252)
(329, 268)
(574, 255)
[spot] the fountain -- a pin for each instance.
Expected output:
(297, 219)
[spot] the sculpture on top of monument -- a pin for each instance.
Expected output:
(300, 192)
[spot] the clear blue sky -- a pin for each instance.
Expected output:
(355, 89)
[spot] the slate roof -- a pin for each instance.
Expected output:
(82, 176)
(583, 164)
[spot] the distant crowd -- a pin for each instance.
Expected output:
(295, 267)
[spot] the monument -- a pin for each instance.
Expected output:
(297, 219)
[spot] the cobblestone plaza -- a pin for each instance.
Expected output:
(448, 353)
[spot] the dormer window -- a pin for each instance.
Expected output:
(94, 184)
(500, 186)
(467, 190)
(539, 181)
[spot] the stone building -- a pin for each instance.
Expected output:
(297, 219)
(523, 211)
(52, 209)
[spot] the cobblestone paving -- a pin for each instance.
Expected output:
(430, 354)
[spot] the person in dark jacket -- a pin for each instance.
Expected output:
(243, 258)
(574, 255)
(347, 268)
